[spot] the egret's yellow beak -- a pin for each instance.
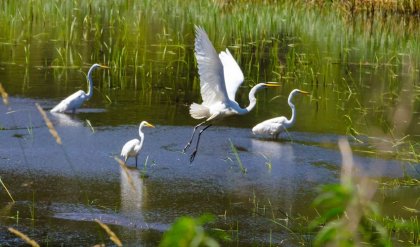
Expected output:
(105, 67)
(304, 92)
(272, 84)
(149, 125)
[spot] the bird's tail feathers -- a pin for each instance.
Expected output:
(59, 108)
(198, 111)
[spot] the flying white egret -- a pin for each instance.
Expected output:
(133, 147)
(75, 100)
(276, 125)
(220, 77)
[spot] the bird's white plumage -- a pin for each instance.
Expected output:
(271, 127)
(217, 74)
(220, 77)
(131, 149)
(73, 101)
(232, 73)
(210, 69)
(277, 125)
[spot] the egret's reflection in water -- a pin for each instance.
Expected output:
(133, 192)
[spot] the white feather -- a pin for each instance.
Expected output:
(232, 73)
(210, 69)
(198, 111)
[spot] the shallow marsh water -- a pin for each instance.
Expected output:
(370, 93)
(68, 186)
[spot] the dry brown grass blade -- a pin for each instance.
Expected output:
(365, 190)
(4, 95)
(23, 237)
(110, 233)
(127, 172)
(49, 124)
(4, 186)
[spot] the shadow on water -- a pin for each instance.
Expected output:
(73, 184)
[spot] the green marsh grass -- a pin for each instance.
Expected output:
(238, 159)
(148, 44)
(143, 171)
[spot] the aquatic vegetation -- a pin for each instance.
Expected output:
(188, 231)
(349, 215)
(143, 172)
(406, 230)
(148, 44)
(238, 159)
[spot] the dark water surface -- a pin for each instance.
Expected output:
(68, 186)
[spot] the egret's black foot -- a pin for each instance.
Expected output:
(193, 156)
(186, 147)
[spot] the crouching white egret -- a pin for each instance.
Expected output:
(133, 147)
(220, 77)
(75, 100)
(276, 125)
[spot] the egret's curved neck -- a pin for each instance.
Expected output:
(252, 99)
(292, 106)
(141, 134)
(89, 78)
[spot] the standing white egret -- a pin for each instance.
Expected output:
(276, 125)
(75, 100)
(220, 77)
(133, 147)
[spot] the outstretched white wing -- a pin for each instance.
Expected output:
(210, 69)
(232, 72)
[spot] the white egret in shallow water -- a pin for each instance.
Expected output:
(276, 125)
(133, 147)
(75, 100)
(220, 77)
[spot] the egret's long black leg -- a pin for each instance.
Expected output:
(198, 142)
(192, 136)
(136, 161)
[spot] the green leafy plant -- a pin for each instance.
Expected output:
(188, 231)
(348, 217)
